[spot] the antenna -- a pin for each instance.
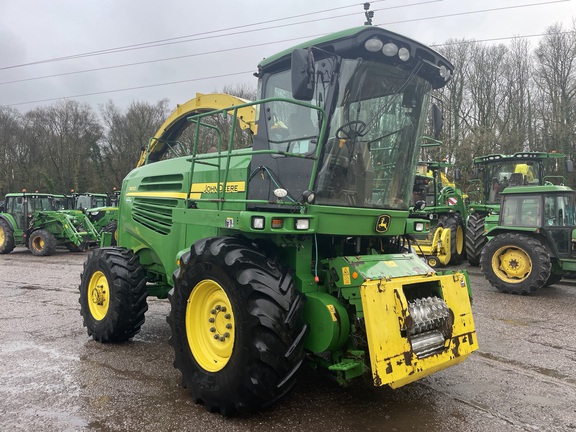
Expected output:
(368, 13)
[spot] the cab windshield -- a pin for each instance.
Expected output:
(498, 176)
(370, 159)
(368, 156)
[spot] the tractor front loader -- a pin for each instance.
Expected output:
(445, 209)
(101, 209)
(292, 251)
(31, 220)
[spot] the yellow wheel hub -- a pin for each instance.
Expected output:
(444, 254)
(38, 243)
(210, 325)
(511, 264)
(98, 295)
(459, 240)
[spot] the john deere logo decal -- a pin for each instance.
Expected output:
(382, 223)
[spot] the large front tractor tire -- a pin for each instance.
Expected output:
(42, 243)
(475, 238)
(516, 263)
(6, 237)
(113, 294)
(237, 325)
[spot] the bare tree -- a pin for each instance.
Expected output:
(555, 59)
(12, 151)
(62, 141)
(127, 134)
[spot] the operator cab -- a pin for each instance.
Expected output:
(23, 206)
(349, 139)
(549, 210)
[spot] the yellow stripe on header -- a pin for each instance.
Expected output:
(177, 195)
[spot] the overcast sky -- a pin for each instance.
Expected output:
(206, 45)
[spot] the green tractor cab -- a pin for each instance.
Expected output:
(533, 244)
(492, 175)
(292, 251)
(102, 210)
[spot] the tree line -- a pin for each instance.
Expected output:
(501, 99)
(506, 99)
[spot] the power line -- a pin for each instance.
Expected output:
(154, 61)
(256, 45)
(462, 42)
(235, 49)
(244, 72)
(474, 12)
(130, 88)
(163, 42)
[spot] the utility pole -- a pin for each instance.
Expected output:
(368, 13)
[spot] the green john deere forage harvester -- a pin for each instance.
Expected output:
(294, 250)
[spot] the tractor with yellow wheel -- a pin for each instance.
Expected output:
(534, 243)
(36, 221)
(493, 174)
(446, 210)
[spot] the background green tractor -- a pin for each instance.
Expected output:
(445, 209)
(534, 242)
(293, 250)
(492, 175)
(34, 221)
(101, 209)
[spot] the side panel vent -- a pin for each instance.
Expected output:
(154, 213)
(169, 182)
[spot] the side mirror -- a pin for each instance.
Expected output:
(569, 165)
(457, 176)
(419, 205)
(437, 120)
(302, 74)
(476, 173)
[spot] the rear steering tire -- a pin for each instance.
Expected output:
(475, 238)
(515, 263)
(112, 228)
(237, 325)
(113, 294)
(454, 224)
